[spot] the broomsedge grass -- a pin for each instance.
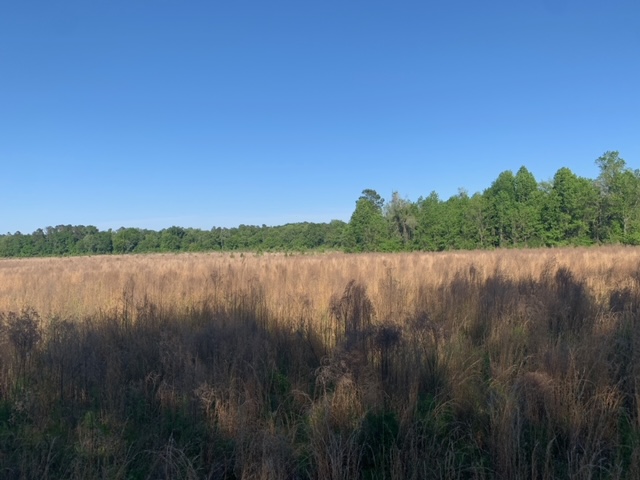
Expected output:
(484, 364)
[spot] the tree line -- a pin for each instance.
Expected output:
(515, 211)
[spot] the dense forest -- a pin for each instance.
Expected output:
(515, 211)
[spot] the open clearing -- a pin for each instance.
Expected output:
(501, 364)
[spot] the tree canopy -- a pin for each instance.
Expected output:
(516, 210)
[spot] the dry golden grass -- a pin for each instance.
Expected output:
(293, 286)
(492, 364)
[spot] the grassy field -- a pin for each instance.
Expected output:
(507, 364)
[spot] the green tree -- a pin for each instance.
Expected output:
(628, 198)
(220, 236)
(171, 239)
(478, 219)
(501, 199)
(527, 223)
(373, 197)
(313, 234)
(367, 226)
(336, 230)
(401, 215)
(98, 243)
(620, 199)
(63, 238)
(570, 210)
(12, 245)
(149, 241)
(40, 243)
(125, 240)
(431, 225)
(458, 232)
(514, 205)
(245, 237)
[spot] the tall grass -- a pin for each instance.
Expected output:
(505, 364)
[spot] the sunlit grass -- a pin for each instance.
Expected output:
(501, 364)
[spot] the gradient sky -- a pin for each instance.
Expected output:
(149, 114)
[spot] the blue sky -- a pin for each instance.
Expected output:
(149, 114)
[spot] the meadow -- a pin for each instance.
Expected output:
(504, 364)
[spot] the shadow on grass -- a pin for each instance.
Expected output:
(485, 378)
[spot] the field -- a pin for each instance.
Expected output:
(508, 364)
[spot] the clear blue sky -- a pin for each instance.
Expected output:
(196, 113)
